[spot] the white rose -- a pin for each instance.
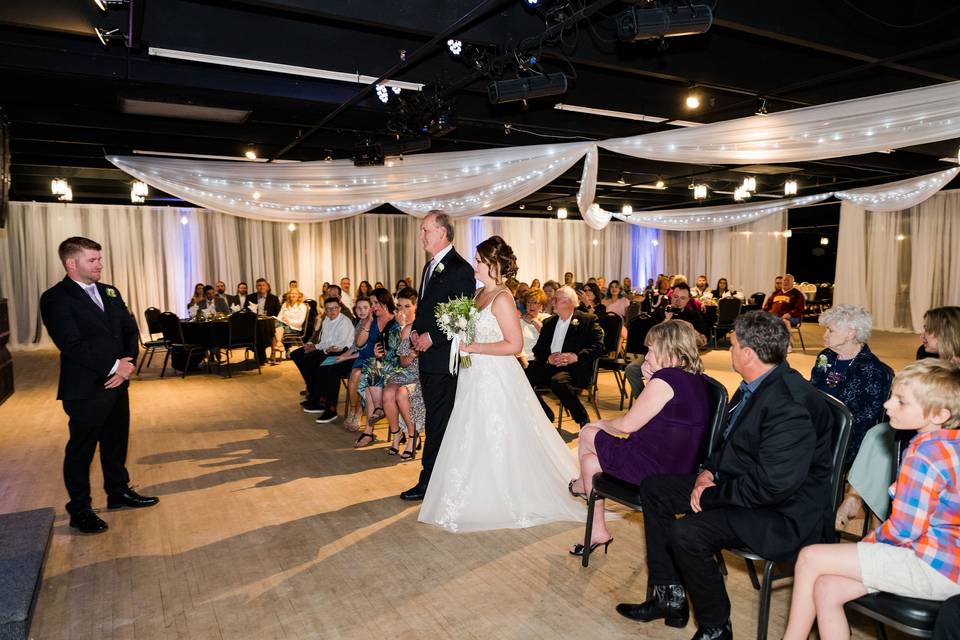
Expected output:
(462, 323)
(445, 318)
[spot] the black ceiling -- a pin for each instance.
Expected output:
(62, 90)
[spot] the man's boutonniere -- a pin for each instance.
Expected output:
(822, 363)
(111, 292)
(575, 322)
(438, 268)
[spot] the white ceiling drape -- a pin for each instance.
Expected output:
(461, 183)
(706, 218)
(903, 194)
(863, 125)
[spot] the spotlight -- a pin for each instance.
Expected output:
(106, 36)
(692, 101)
(522, 206)
(455, 46)
(136, 199)
(549, 206)
(750, 184)
(660, 184)
(549, 84)
(533, 4)
(250, 153)
(58, 186)
(562, 213)
(788, 233)
(790, 188)
(740, 194)
(67, 195)
(382, 93)
(622, 178)
(824, 240)
(328, 155)
(761, 107)
(105, 5)
(626, 210)
(396, 89)
(700, 192)
(139, 188)
(656, 23)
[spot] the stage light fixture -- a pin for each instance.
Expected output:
(549, 206)
(626, 210)
(527, 88)
(455, 47)
(622, 179)
(740, 194)
(67, 195)
(139, 188)
(382, 93)
(761, 107)
(533, 4)
(522, 206)
(788, 233)
(106, 36)
(824, 240)
(58, 186)
(660, 184)
(790, 188)
(105, 5)
(396, 90)
(750, 184)
(562, 213)
(692, 101)
(656, 23)
(700, 192)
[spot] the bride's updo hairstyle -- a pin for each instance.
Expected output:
(499, 258)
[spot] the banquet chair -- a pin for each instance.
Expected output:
(615, 358)
(727, 311)
(758, 298)
(152, 345)
(606, 486)
(173, 336)
(242, 334)
(591, 394)
(152, 314)
(297, 339)
(842, 423)
(797, 328)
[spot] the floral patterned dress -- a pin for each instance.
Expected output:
(409, 378)
(376, 371)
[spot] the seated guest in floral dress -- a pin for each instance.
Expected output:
(664, 432)
(849, 371)
(402, 398)
(377, 360)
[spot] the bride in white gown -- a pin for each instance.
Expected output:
(502, 464)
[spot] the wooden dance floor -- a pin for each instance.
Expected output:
(271, 526)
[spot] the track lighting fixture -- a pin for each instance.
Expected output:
(455, 47)
(549, 206)
(382, 93)
(790, 188)
(700, 192)
(626, 210)
(250, 153)
(761, 106)
(106, 36)
(562, 213)
(106, 5)
(622, 179)
(660, 184)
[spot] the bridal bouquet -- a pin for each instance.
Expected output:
(457, 318)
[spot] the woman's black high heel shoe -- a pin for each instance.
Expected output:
(575, 494)
(578, 548)
(392, 451)
(417, 443)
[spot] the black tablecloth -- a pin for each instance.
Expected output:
(214, 334)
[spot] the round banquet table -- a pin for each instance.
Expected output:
(214, 334)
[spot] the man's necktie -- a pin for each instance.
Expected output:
(427, 275)
(92, 292)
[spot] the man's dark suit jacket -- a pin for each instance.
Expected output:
(219, 305)
(236, 301)
(271, 306)
(773, 470)
(90, 340)
(584, 338)
(454, 280)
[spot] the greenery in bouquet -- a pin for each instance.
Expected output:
(457, 318)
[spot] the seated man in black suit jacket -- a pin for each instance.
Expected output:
(239, 300)
(264, 303)
(569, 343)
(212, 303)
(766, 486)
(98, 343)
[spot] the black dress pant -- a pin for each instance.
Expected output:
(309, 366)
(325, 388)
(563, 385)
(683, 550)
(104, 420)
(439, 391)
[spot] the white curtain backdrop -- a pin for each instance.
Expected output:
(748, 255)
(898, 264)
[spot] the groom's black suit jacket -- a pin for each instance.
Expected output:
(455, 279)
(90, 340)
(773, 469)
(584, 338)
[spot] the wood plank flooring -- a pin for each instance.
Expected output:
(271, 526)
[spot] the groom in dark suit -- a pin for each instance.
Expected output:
(98, 343)
(447, 275)
(569, 343)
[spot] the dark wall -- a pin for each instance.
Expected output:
(807, 259)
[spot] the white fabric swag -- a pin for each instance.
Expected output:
(473, 183)
(897, 264)
(863, 125)
(717, 217)
(903, 194)
(462, 183)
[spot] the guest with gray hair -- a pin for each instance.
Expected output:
(849, 371)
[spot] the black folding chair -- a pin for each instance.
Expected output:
(615, 359)
(842, 423)
(242, 334)
(606, 486)
(152, 345)
(298, 339)
(591, 394)
(727, 311)
(758, 298)
(173, 335)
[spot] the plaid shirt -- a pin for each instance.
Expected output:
(926, 502)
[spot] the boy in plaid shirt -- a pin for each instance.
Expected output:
(916, 551)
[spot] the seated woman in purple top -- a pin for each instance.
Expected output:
(665, 430)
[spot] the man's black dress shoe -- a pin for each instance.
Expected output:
(413, 494)
(714, 633)
(88, 522)
(668, 602)
(132, 499)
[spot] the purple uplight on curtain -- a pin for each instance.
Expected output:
(644, 252)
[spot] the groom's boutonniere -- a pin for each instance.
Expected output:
(111, 292)
(575, 322)
(822, 363)
(438, 268)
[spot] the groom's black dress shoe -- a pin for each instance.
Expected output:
(668, 602)
(132, 499)
(714, 633)
(88, 522)
(413, 494)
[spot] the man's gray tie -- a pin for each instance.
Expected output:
(92, 292)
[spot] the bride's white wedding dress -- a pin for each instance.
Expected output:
(502, 464)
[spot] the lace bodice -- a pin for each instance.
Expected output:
(488, 329)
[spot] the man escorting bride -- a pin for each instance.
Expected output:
(502, 464)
